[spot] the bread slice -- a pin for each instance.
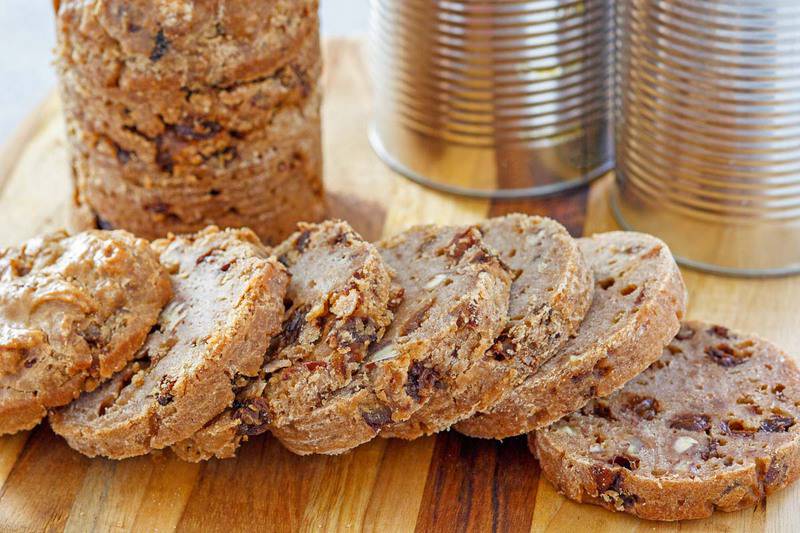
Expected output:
(638, 303)
(73, 310)
(227, 304)
(712, 425)
(551, 293)
(314, 392)
(456, 303)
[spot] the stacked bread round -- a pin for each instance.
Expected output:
(194, 112)
(502, 328)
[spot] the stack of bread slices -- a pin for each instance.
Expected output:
(508, 327)
(182, 114)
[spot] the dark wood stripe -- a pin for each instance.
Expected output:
(569, 208)
(32, 499)
(479, 485)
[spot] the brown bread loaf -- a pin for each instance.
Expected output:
(712, 425)
(638, 302)
(314, 391)
(209, 339)
(456, 293)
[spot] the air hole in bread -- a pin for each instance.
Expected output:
(105, 404)
(626, 462)
(606, 283)
(737, 426)
(628, 289)
(602, 368)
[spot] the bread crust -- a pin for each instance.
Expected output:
(290, 177)
(682, 467)
(244, 109)
(145, 47)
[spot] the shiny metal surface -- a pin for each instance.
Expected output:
(493, 98)
(707, 109)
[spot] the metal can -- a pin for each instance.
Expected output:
(494, 98)
(707, 112)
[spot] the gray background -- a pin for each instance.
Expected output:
(26, 43)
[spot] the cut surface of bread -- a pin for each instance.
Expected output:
(636, 310)
(456, 293)
(227, 304)
(712, 425)
(551, 293)
(313, 392)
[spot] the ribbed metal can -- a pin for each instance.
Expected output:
(707, 111)
(497, 98)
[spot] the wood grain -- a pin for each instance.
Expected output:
(569, 208)
(446, 483)
(489, 481)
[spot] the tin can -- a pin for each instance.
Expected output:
(493, 98)
(707, 111)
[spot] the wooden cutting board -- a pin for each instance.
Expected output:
(443, 483)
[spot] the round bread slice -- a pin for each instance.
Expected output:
(212, 335)
(711, 425)
(314, 392)
(456, 304)
(73, 310)
(638, 303)
(551, 293)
